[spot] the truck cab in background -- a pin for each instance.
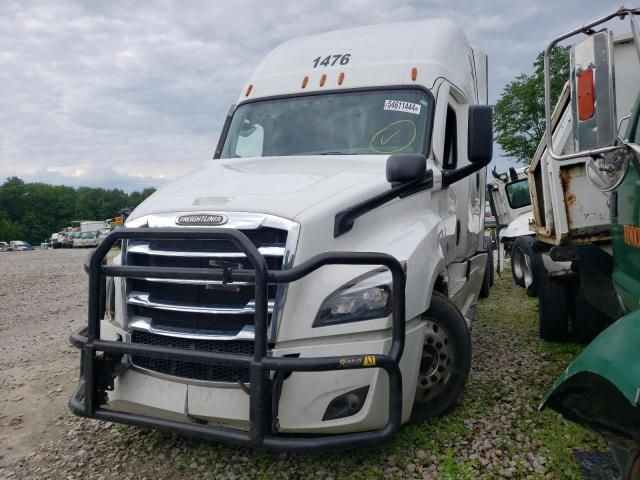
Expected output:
(55, 241)
(510, 202)
(77, 239)
(247, 306)
(595, 257)
(19, 246)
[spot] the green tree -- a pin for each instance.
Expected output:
(33, 211)
(519, 113)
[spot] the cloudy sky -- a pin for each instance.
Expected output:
(128, 94)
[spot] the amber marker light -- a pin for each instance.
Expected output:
(323, 78)
(340, 78)
(305, 80)
(414, 73)
(249, 89)
(586, 95)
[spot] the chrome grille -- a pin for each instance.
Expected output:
(196, 311)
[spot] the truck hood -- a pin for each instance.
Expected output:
(282, 186)
(519, 227)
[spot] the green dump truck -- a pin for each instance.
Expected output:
(601, 388)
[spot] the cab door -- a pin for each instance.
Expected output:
(462, 203)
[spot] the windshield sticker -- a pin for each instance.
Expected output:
(400, 106)
(393, 138)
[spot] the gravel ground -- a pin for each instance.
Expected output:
(494, 432)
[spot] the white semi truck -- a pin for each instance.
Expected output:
(246, 305)
(510, 203)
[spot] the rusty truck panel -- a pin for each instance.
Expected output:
(566, 207)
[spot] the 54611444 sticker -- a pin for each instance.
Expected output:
(400, 106)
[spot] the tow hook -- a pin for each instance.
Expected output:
(108, 368)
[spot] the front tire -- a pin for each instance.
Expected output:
(553, 306)
(587, 320)
(445, 362)
(522, 268)
(487, 281)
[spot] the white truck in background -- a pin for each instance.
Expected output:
(92, 225)
(89, 233)
(510, 203)
(373, 139)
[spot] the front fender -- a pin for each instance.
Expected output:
(519, 227)
(601, 389)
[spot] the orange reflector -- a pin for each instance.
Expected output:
(414, 73)
(586, 100)
(305, 80)
(323, 78)
(340, 78)
(249, 88)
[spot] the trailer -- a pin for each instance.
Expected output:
(92, 225)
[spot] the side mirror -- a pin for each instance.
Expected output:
(479, 144)
(593, 102)
(480, 134)
(406, 167)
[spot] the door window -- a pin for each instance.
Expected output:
(450, 156)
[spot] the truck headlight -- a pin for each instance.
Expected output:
(365, 298)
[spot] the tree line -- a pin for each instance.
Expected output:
(519, 120)
(33, 211)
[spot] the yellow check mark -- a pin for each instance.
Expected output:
(384, 142)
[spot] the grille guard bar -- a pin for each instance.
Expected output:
(90, 393)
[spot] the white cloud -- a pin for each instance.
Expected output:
(129, 94)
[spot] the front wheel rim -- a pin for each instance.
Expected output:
(436, 363)
(522, 267)
(517, 263)
(528, 275)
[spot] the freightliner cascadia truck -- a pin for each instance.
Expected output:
(312, 286)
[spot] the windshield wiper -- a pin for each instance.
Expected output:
(338, 153)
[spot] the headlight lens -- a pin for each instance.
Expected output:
(365, 298)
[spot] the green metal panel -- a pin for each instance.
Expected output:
(600, 390)
(614, 355)
(626, 255)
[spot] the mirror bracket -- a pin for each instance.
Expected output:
(452, 176)
(345, 219)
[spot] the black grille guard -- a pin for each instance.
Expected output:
(96, 374)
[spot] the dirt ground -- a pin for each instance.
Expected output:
(42, 299)
(494, 432)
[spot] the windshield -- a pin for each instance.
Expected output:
(377, 122)
(518, 193)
